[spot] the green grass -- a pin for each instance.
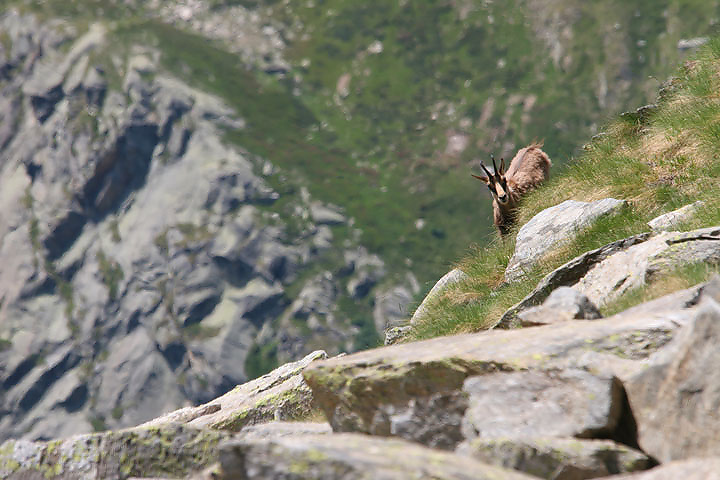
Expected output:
(658, 164)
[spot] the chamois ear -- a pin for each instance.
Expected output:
(484, 179)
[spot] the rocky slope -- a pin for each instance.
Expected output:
(143, 264)
(178, 216)
(573, 399)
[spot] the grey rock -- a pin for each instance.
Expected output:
(557, 458)
(348, 456)
(674, 398)
(326, 215)
(453, 276)
(393, 335)
(554, 227)
(274, 430)
(568, 403)
(368, 391)
(636, 265)
(563, 304)
(694, 469)
(279, 395)
(391, 307)
(170, 451)
(670, 220)
(690, 43)
(569, 274)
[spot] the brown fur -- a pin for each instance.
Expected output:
(528, 169)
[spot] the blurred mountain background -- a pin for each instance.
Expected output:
(192, 192)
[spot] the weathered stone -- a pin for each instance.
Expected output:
(356, 391)
(274, 430)
(325, 215)
(635, 266)
(606, 273)
(694, 469)
(280, 395)
(566, 403)
(557, 458)
(394, 334)
(567, 275)
(554, 227)
(563, 304)
(348, 456)
(675, 398)
(453, 276)
(670, 220)
(171, 450)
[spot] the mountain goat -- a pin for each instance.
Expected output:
(528, 169)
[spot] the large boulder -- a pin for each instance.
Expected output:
(168, 451)
(554, 227)
(694, 469)
(668, 221)
(558, 458)
(675, 398)
(348, 456)
(279, 395)
(414, 389)
(567, 403)
(606, 273)
(563, 304)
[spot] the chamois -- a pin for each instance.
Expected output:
(528, 169)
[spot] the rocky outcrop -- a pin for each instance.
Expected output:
(605, 274)
(574, 379)
(668, 221)
(674, 398)
(349, 456)
(178, 443)
(566, 400)
(558, 458)
(563, 304)
(554, 227)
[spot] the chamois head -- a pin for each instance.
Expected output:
(496, 181)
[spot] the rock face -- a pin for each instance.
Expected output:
(349, 456)
(619, 378)
(175, 444)
(670, 220)
(563, 304)
(552, 228)
(558, 458)
(569, 400)
(145, 264)
(675, 398)
(606, 273)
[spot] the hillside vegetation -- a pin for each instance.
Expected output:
(384, 108)
(658, 161)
